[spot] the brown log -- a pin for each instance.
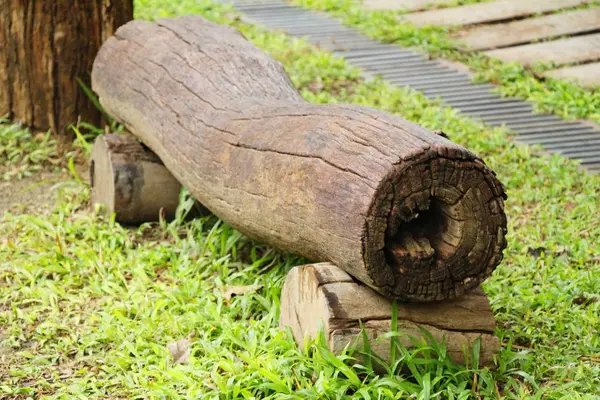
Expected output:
(130, 181)
(400, 208)
(323, 296)
(46, 45)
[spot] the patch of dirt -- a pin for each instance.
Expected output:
(32, 194)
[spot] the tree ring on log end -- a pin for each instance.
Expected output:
(437, 225)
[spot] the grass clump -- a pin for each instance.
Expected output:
(22, 153)
(566, 99)
(88, 307)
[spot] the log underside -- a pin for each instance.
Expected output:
(405, 211)
(322, 296)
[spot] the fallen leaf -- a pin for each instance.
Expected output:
(180, 350)
(536, 252)
(65, 372)
(209, 384)
(592, 358)
(584, 300)
(232, 291)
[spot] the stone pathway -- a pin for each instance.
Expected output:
(451, 83)
(524, 31)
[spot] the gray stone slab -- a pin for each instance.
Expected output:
(488, 12)
(587, 75)
(565, 51)
(531, 29)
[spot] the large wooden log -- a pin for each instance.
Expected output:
(404, 210)
(322, 296)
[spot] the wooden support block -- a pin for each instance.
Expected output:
(488, 12)
(323, 295)
(565, 51)
(528, 30)
(130, 180)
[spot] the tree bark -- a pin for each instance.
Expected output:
(46, 46)
(404, 210)
(322, 296)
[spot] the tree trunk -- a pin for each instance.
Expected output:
(323, 296)
(400, 208)
(46, 46)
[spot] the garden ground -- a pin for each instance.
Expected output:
(88, 307)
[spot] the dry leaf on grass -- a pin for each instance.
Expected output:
(232, 291)
(180, 350)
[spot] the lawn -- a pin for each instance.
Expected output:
(88, 307)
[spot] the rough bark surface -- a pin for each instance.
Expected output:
(324, 296)
(400, 208)
(46, 46)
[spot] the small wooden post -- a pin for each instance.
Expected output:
(323, 295)
(131, 181)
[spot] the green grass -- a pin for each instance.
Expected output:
(23, 154)
(566, 99)
(88, 307)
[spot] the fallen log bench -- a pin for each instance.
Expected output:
(401, 209)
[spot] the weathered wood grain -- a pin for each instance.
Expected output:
(532, 29)
(404, 5)
(400, 208)
(565, 51)
(323, 296)
(488, 12)
(131, 181)
(587, 75)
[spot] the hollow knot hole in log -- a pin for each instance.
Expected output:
(445, 226)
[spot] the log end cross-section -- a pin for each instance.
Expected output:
(403, 210)
(438, 222)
